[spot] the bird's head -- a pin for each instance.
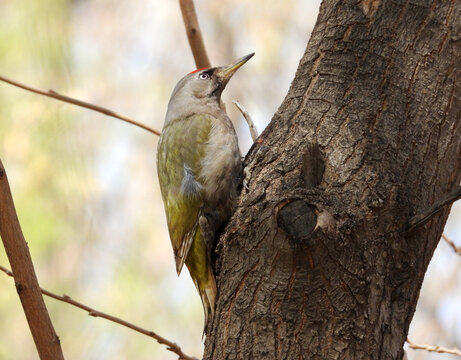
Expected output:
(203, 86)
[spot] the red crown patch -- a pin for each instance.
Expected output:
(193, 72)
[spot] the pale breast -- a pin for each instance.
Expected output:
(222, 161)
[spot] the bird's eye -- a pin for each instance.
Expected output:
(204, 76)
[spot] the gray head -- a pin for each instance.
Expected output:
(200, 91)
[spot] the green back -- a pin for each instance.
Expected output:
(182, 142)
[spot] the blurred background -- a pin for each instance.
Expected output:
(85, 185)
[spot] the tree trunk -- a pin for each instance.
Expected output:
(378, 89)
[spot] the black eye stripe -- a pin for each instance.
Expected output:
(209, 71)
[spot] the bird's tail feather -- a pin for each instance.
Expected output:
(207, 290)
(200, 269)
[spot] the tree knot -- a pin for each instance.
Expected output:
(297, 219)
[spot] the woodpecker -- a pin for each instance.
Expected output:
(198, 165)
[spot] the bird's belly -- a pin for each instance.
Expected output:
(220, 166)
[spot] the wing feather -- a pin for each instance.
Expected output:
(180, 151)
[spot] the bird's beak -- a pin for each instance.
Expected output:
(226, 72)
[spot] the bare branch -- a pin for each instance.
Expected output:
(433, 348)
(251, 125)
(45, 338)
(6, 271)
(171, 346)
(424, 217)
(457, 249)
(194, 34)
(53, 94)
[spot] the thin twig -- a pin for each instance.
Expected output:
(450, 242)
(53, 94)
(27, 286)
(433, 348)
(422, 218)
(251, 125)
(6, 271)
(194, 34)
(171, 346)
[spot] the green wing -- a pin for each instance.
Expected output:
(180, 151)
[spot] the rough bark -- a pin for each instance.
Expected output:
(378, 89)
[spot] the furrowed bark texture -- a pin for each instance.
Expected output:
(378, 89)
